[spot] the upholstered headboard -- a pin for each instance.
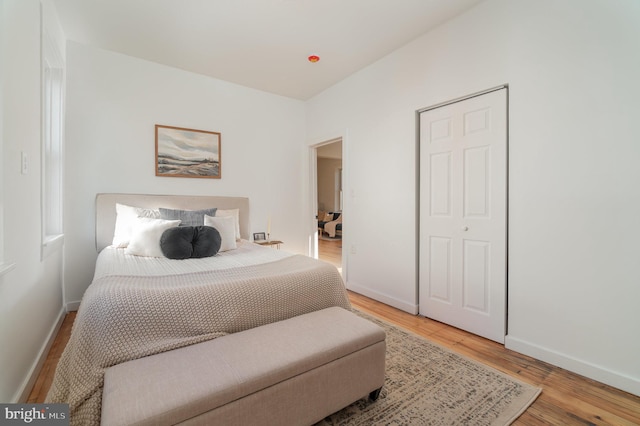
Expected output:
(106, 209)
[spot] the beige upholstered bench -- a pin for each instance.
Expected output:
(293, 372)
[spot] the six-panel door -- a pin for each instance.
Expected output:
(463, 214)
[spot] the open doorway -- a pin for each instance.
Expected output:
(329, 202)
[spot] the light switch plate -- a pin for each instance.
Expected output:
(24, 166)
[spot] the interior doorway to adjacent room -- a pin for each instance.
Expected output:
(328, 207)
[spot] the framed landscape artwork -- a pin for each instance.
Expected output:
(187, 153)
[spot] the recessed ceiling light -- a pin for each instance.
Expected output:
(313, 58)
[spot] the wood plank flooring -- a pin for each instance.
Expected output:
(331, 251)
(566, 399)
(43, 383)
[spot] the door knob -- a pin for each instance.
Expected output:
(465, 228)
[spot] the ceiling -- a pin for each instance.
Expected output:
(262, 44)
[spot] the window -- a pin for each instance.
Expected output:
(52, 138)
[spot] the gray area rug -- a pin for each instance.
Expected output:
(427, 384)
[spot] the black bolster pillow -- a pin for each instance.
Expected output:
(183, 242)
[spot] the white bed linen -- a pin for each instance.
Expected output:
(114, 261)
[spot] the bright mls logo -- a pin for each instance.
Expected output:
(36, 414)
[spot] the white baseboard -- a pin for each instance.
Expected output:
(384, 298)
(72, 306)
(23, 392)
(616, 379)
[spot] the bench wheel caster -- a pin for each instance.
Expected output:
(375, 394)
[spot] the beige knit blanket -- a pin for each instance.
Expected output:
(128, 317)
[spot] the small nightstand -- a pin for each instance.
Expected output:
(270, 243)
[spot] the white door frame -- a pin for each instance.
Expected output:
(313, 193)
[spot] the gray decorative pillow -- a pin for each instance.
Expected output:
(188, 217)
(190, 242)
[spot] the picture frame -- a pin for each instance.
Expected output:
(191, 153)
(259, 236)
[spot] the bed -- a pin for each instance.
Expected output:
(140, 305)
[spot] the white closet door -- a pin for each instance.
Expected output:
(463, 214)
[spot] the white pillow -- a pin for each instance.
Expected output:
(235, 213)
(227, 229)
(145, 237)
(125, 221)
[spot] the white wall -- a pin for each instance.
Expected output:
(3, 266)
(113, 103)
(572, 69)
(31, 293)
